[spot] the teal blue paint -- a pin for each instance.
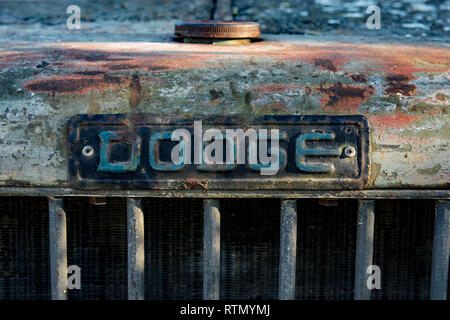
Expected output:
(106, 165)
(302, 152)
(259, 166)
(155, 163)
(281, 154)
(219, 167)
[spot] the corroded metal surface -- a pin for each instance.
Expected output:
(133, 151)
(401, 88)
(217, 30)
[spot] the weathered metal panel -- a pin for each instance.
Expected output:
(401, 88)
(313, 153)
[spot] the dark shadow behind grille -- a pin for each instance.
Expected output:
(173, 245)
(250, 242)
(24, 248)
(403, 247)
(97, 243)
(326, 250)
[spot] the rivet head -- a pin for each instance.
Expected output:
(87, 151)
(350, 152)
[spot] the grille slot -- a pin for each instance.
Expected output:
(250, 242)
(173, 245)
(403, 248)
(97, 243)
(24, 248)
(326, 250)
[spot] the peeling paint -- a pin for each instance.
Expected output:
(74, 84)
(345, 97)
(402, 89)
(430, 171)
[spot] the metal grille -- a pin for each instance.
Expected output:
(250, 248)
(250, 242)
(326, 250)
(173, 245)
(403, 245)
(97, 243)
(24, 253)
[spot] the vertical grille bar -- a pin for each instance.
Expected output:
(364, 247)
(58, 249)
(288, 250)
(441, 251)
(211, 250)
(136, 252)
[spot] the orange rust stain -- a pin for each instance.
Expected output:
(98, 60)
(94, 69)
(17, 58)
(339, 97)
(277, 87)
(435, 111)
(407, 60)
(398, 83)
(94, 58)
(75, 84)
(397, 120)
(393, 59)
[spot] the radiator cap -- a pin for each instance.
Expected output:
(218, 29)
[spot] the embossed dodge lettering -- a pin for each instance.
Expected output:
(218, 152)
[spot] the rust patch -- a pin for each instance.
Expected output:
(325, 64)
(398, 84)
(89, 73)
(397, 78)
(359, 78)
(194, 184)
(100, 60)
(344, 97)
(435, 111)
(75, 84)
(397, 120)
(86, 55)
(135, 92)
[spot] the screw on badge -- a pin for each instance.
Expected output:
(87, 151)
(350, 152)
(217, 32)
